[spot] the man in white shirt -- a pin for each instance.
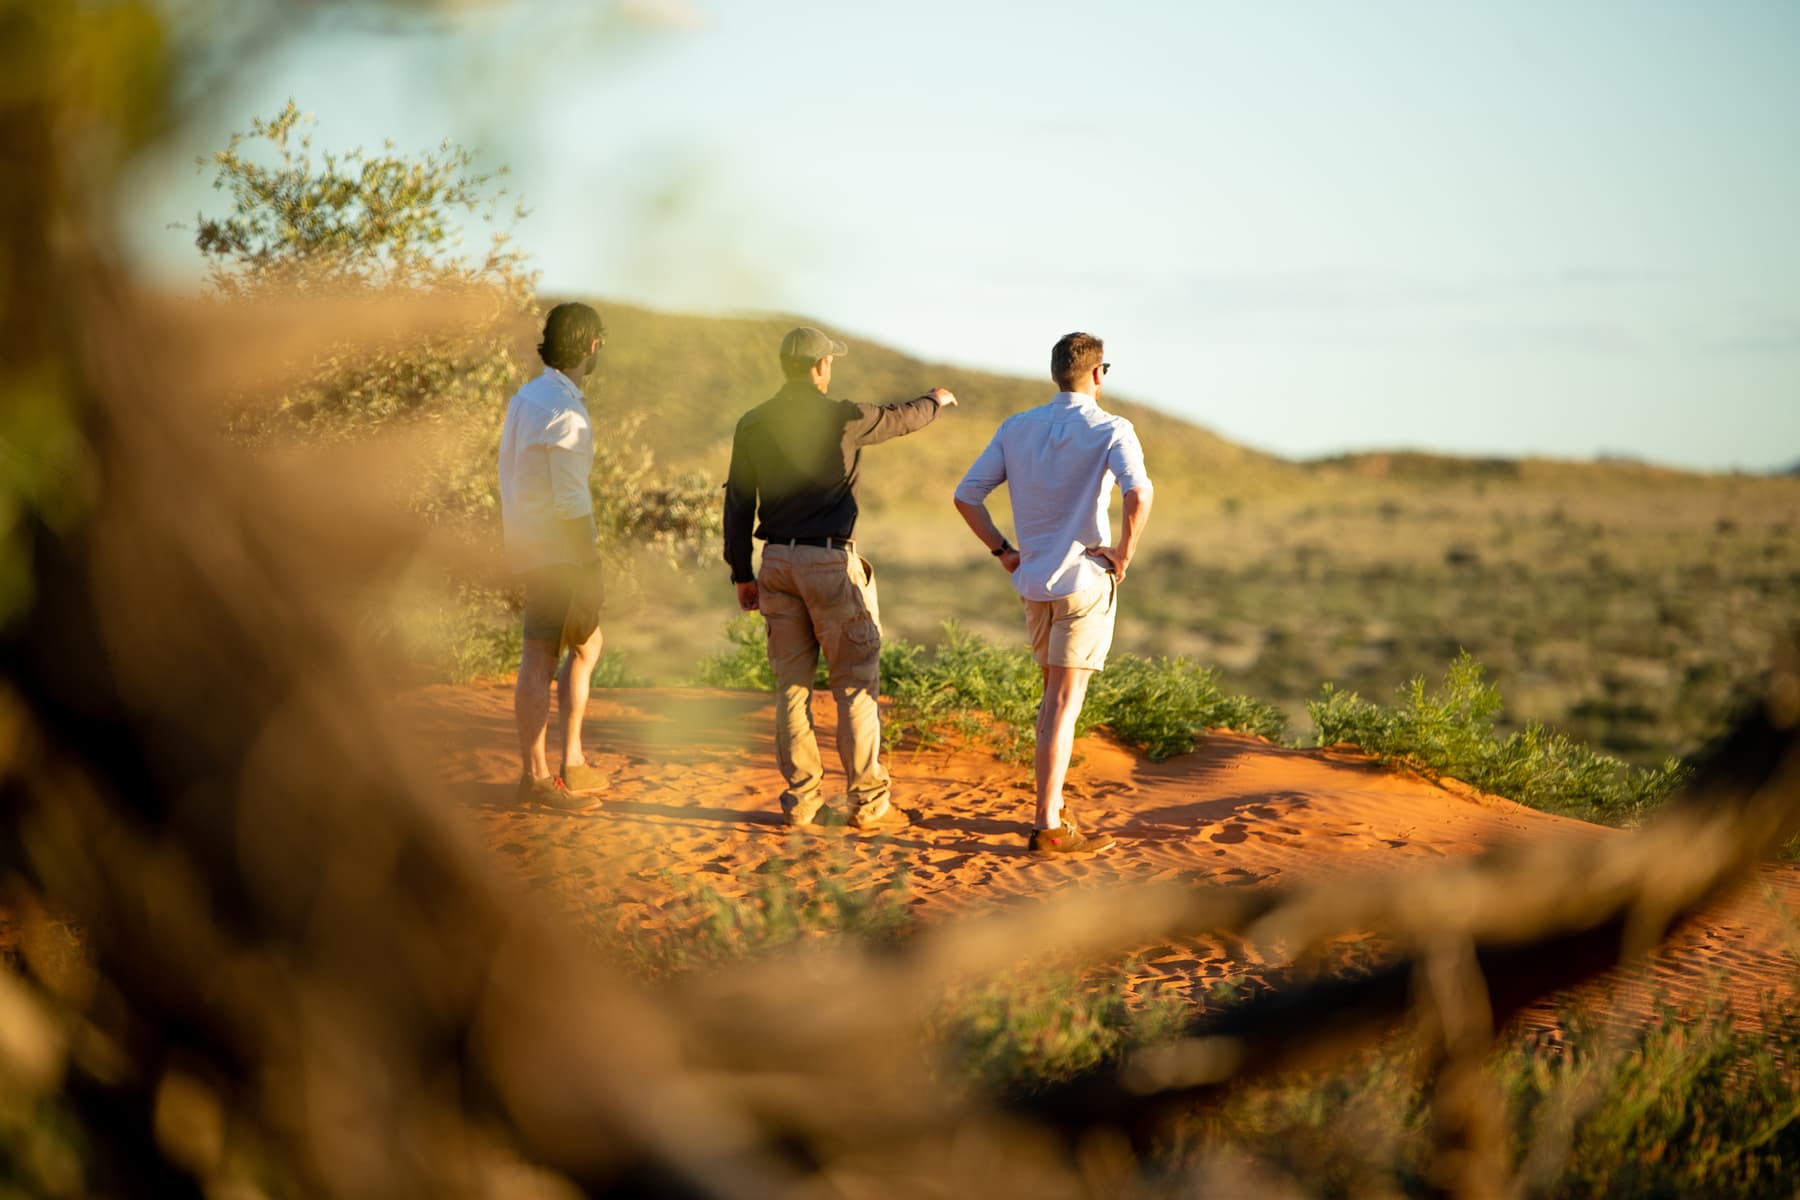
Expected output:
(1060, 461)
(547, 512)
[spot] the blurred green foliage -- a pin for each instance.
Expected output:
(1040, 1025)
(1689, 1105)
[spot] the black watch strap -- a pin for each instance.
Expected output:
(1004, 547)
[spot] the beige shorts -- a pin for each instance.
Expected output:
(1074, 631)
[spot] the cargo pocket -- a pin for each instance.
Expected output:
(867, 600)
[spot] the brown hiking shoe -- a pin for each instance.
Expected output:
(1069, 840)
(580, 779)
(550, 793)
(890, 821)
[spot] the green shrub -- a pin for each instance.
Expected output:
(976, 688)
(1160, 705)
(967, 685)
(1451, 732)
(745, 667)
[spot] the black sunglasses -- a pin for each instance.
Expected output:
(1105, 367)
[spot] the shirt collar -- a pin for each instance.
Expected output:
(1074, 399)
(565, 383)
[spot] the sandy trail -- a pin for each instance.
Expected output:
(693, 790)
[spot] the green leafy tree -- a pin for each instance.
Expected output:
(354, 219)
(364, 228)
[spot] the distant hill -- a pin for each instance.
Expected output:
(694, 376)
(697, 375)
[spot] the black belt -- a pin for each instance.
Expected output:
(828, 543)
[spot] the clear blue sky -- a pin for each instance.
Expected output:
(1487, 228)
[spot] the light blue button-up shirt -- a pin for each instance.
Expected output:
(1059, 461)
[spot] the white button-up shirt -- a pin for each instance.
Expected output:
(546, 456)
(1059, 461)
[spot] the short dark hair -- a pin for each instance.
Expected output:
(1074, 355)
(795, 367)
(569, 331)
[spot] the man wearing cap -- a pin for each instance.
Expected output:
(1060, 461)
(547, 515)
(796, 459)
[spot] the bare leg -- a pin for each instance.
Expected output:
(531, 704)
(1065, 689)
(572, 683)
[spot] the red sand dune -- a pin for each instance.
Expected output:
(693, 793)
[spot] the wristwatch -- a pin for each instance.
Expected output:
(1004, 547)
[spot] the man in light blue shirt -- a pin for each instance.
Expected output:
(1060, 461)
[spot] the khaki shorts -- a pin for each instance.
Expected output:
(562, 602)
(1074, 631)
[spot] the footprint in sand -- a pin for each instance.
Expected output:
(1232, 834)
(1240, 876)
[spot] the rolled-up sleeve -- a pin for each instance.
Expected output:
(568, 445)
(1125, 458)
(986, 473)
(876, 423)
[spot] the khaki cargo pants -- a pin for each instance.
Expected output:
(817, 598)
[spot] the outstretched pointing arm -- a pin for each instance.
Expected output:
(879, 422)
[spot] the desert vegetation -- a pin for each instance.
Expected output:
(1627, 606)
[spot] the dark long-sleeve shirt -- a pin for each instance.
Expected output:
(797, 456)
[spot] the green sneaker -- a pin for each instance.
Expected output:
(581, 779)
(1069, 840)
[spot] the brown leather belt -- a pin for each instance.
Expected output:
(828, 543)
